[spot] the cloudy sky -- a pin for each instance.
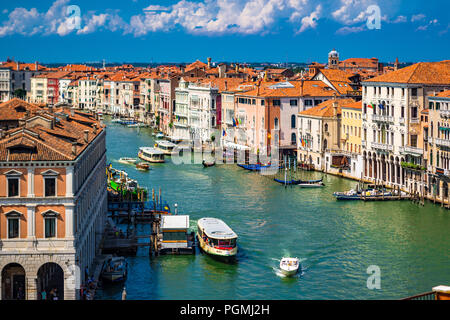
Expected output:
(231, 30)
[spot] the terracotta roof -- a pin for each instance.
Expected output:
(310, 89)
(325, 109)
(231, 83)
(50, 140)
(444, 94)
(22, 66)
(196, 64)
(337, 75)
(353, 105)
(419, 73)
(16, 109)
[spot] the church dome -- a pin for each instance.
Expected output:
(333, 54)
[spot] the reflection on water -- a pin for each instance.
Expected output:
(336, 241)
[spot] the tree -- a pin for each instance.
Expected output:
(20, 93)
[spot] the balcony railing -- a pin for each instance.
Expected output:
(382, 118)
(445, 113)
(382, 146)
(414, 120)
(423, 296)
(411, 150)
(442, 142)
(363, 143)
(401, 120)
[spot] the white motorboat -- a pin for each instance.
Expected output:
(114, 269)
(165, 146)
(311, 185)
(159, 135)
(289, 266)
(126, 160)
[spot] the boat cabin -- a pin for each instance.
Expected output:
(151, 155)
(165, 146)
(216, 234)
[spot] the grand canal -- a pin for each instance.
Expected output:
(336, 241)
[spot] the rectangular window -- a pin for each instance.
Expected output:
(262, 102)
(308, 103)
(50, 227)
(50, 187)
(13, 187)
(276, 102)
(13, 228)
(293, 102)
(413, 140)
(414, 92)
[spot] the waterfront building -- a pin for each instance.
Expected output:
(351, 130)
(393, 141)
(15, 76)
(437, 134)
(274, 106)
(53, 195)
(181, 113)
(319, 135)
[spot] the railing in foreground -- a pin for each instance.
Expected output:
(423, 296)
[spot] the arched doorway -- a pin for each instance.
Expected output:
(51, 277)
(13, 282)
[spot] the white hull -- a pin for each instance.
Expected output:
(216, 252)
(289, 273)
(148, 159)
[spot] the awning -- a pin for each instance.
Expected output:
(235, 146)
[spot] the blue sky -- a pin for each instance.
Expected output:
(226, 30)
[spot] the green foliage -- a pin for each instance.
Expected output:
(413, 166)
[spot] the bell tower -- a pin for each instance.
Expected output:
(333, 59)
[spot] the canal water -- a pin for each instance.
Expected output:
(336, 241)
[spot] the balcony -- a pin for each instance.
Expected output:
(382, 146)
(442, 142)
(445, 113)
(382, 118)
(363, 143)
(364, 116)
(414, 120)
(414, 151)
(401, 121)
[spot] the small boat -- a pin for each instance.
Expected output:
(136, 125)
(208, 164)
(299, 182)
(114, 269)
(289, 266)
(159, 135)
(151, 155)
(216, 238)
(128, 160)
(308, 184)
(253, 167)
(165, 146)
(142, 166)
(116, 120)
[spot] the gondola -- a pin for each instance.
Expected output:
(297, 182)
(253, 167)
(208, 164)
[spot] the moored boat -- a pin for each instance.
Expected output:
(216, 238)
(165, 146)
(311, 183)
(151, 155)
(208, 164)
(159, 135)
(308, 184)
(114, 269)
(289, 266)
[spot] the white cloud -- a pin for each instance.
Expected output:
(400, 19)
(311, 20)
(347, 30)
(352, 11)
(417, 17)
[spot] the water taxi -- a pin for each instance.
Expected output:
(151, 155)
(144, 166)
(165, 146)
(216, 238)
(114, 269)
(289, 266)
(159, 135)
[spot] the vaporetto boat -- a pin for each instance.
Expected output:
(165, 146)
(151, 155)
(216, 238)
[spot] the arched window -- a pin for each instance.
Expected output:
(326, 127)
(293, 138)
(325, 144)
(276, 123)
(293, 121)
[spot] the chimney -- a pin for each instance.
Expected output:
(95, 128)
(86, 136)
(74, 148)
(50, 108)
(36, 66)
(237, 67)
(301, 87)
(226, 86)
(1, 134)
(72, 111)
(209, 63)
(17, 66)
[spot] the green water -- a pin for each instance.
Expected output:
(336, 241)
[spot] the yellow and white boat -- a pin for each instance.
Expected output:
(216, 238)
(165, 146)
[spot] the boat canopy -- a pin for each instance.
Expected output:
(150, 150)
(167, 144)
(235, 146)
(216, 229)
(174, 222)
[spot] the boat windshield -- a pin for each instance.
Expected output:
(222, 244)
